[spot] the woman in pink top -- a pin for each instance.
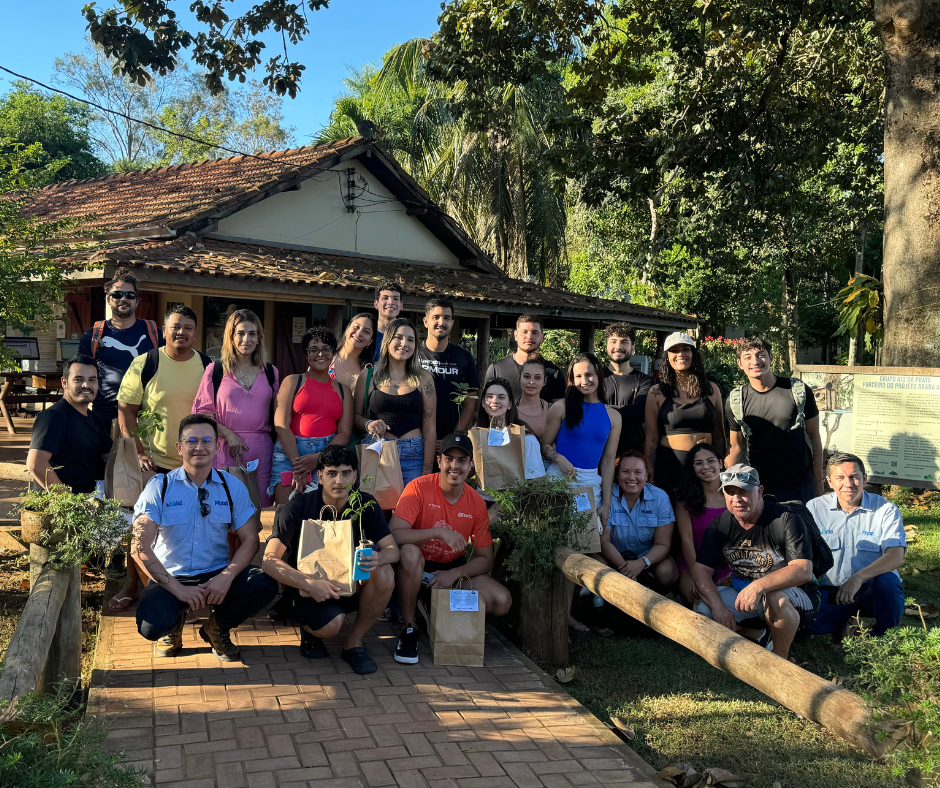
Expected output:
(700, 500)
(313, 411)
(240, 396)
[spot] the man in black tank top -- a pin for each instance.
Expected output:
(626, 388)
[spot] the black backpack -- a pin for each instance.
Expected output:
(152, 362)
(822, 554)
(218, 373)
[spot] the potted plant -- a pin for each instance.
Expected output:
(72, 526)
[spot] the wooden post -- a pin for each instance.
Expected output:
(483, 347)
(3, 407)
(587, 338)
(26, 654)
(543, 619)
(805, 693)
(65, 652)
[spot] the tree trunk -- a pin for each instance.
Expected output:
(790, 315)
(910, 32)
(859, 269)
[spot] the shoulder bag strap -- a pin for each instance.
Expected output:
(96, 334)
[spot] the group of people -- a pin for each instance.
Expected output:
(751, 515)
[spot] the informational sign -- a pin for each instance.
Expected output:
(896, 421)
(298, 329)
(60, 329)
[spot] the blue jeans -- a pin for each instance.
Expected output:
(159, 612)
(410, 455)
(280, 462)
(881, 598)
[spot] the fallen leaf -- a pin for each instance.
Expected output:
(564, 675)
(671, 773)
(927, 611)
(24, 584)
(920, 567)
(723, 778)
(628, 733)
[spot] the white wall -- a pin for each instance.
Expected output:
(315, 216)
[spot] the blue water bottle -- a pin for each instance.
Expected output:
(364, 549)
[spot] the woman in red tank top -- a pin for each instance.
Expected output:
(313, 411)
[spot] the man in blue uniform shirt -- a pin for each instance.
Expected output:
(866, 535)
(181, 525)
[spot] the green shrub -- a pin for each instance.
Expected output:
(535, 517)
(50, 745)
(720, 357)
(899, 677)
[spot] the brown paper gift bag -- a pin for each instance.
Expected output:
(457, 636)
(122, 477)
(250, 480)
(589, 540)
(327, 551)
(498, 466)
(380, 473)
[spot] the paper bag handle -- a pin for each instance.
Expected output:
(460, 582)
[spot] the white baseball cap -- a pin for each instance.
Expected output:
(678, 338)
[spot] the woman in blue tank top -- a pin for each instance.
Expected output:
(581, 436)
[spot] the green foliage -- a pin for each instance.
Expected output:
(720, 357)
(32, 271)
(149, 423)
(899, 675)
(357, 505)
(560, 346)
(462, 393)
(81, 525)
(861, 307)
(51, 745)
(58, 124)
(535, 517)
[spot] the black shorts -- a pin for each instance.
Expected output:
(316, 615)
(437, 566)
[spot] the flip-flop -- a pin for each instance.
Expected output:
(123, 602)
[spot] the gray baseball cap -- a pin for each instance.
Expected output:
(678, 338)
(740, 475)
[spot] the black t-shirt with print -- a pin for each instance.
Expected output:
(116, 350)
(628, 393)
(290, 519)
(77, 443)
(777, 538)
(779, 452)
(452, 365)
(554, 388)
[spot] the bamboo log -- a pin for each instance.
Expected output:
(65, 652)
(26, 654)
(841, 711)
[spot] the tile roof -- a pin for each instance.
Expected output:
(177, 196)
(207, 257)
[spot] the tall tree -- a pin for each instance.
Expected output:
(60, 127)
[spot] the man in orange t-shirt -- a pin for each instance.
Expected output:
(436, 517)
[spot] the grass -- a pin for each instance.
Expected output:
(683, 709)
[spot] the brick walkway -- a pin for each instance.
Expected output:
(277, 720)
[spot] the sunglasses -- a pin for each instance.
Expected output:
(740, 478)
(117, 295)
(204, 508)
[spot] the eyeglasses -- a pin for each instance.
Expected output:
(117, 295)
(320, 351)
(703, 463)
(194, 442)
(204, 508)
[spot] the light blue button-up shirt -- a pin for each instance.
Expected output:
(634, 530)
(858, 539)
(187, 543)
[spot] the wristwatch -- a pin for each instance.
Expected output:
(646, 561)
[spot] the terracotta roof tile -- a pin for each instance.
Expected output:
(210, 257)
(175, 196)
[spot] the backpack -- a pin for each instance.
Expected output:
(228, 494)
(822, 553)
(736, 403)
(218, 373)
(97, 333)
(152, 362)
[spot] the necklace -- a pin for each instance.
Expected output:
(243, 376)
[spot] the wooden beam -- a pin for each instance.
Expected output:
(805, 693)
(15, 472)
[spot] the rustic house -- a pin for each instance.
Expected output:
(301, 237)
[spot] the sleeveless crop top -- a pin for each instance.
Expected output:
(583, 445)
(316, 410)
(400, 412)
(688, 418)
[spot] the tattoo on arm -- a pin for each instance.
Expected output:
(428, 414)
(429, 388)
(157, 572)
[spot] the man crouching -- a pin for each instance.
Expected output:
(320, 609)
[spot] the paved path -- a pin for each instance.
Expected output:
(277, 720)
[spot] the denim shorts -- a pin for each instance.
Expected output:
(281, 463)
(410, 455)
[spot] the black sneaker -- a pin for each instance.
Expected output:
(765, 640)
(311, 647)
(360, 660)
(407, 649)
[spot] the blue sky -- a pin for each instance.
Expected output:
(348, 33)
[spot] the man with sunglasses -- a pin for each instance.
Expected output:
(116, 342)
(770, 552)
(181, 525)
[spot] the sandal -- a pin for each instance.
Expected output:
(118, 604)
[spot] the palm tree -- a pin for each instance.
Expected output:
(496, 183)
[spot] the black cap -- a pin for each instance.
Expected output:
(457, 440)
